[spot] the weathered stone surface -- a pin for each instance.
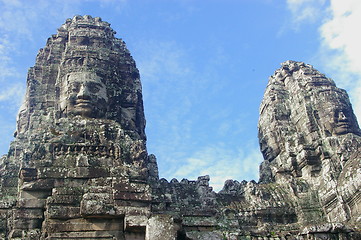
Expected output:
(161, 227)
(79, 167)
(308, 131)
(80, 134)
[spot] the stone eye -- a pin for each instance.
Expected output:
(94, 88)
(75, 88)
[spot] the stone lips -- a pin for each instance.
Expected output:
(79, 167)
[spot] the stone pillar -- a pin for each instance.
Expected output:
(161, 227)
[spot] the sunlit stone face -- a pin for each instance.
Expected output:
(343, 122)
(269, 148)
(339, 119)
(83, 93)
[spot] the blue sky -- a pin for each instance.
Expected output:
(204, 67)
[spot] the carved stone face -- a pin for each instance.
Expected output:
(269, 146)
(339, 119)
(83, 93)
(342, 121)
(267, 151)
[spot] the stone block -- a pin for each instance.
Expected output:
(3, 224)
(104, 198)
(100, 189)
(210, 235)
(89, 172)
(140, 235)
(38, 185)
(199, 221)
(8, 182)
(34, 194)
(63, 212)
(16, 234)
(27, 223)
(84, 225)
(131, 196)
(135, 223)
(127, 203)
(64, 200)
(68, 191)
(101, 182)
(161, 227)
(96, 208)
(28, 174)
(31, 203)
(6, 203)
(103, 235)
(53, 172)
(28, 213)
(131, 187)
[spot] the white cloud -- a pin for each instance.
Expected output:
(341, 33)
(341, 48)
(340, 39)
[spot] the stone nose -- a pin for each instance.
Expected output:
(342, 116)
(83, 92)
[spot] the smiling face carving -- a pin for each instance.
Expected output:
(342, 122)
(83, 93)
(340, 119)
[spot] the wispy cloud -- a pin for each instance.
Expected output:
(13, 93)
(169, 79)
(161, 57)
(165, 74)
(117, 5)
(305, 10)
(169, 95)
(20, 23)
(339, 33)
(6, 68)
(340, 49)
(173, 92)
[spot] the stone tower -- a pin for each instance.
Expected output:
(308, 131)
(78, 166)
(79, 169)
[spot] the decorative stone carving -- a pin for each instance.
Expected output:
(301, 111)
(306, 125)
(83, 93)
(79, 167)
(80, 133)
